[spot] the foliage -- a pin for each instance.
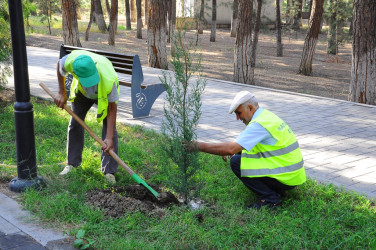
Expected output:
(5, 43)
(46, 9)
(181, 113)
(28, 7)
(314, 216)
(80, 241)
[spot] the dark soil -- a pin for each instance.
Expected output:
(117, 201)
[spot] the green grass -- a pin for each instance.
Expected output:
(313, 216)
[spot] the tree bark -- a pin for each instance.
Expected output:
(157, 53)
(173, 25)
(305, 67)
(139, 19)
(234, 17)
(256, 33)
(147, 11)
(243, 72)
(128, 15)
(90, 21)
(332, 43)
(278, 27)
(99, 18)
(133, 11)
(70, 27)
(201, 20)
(363, 68)
(113, 22)
(108, 8)
(214, 21)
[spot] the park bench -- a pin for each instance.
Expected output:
(143, 95)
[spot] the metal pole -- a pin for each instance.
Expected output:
(23, 109)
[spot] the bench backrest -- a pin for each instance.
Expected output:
(122, 63)
(125, 64)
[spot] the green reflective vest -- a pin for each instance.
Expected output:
(282, 161)
(107, 75)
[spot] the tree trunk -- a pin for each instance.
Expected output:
(128, 15)
(214, 21)
(70, 27)
(108, 8)
(332, 43)
(133, 11)
(99, 19)
(305, 67)
(157, 53)
(113, 22)
(243, 72)
(297, 19)
(169, 13)
(146, 11)
(201, 20)
(173, 25)
(234, 20)
(139, 19)
(363, 68)
(278, 27)
(256, 33)
(90, 21)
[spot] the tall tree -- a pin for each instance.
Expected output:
(278, 27)
(294, 13)
(256, 33)
(146, 7)
(98, 16)
(305, 67)
(201, 19)
(128, 15)
(90, 20)
(332, 30)
(157, 53)
(70, 27)
(214, 21)
(243, 72)
(363, 68)
(133, 11)
(172, 25)
(139, 19)
(234, 18)
(113, 22)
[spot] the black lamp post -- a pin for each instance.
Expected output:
(23, 109)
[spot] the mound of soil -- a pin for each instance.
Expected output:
(117, 201)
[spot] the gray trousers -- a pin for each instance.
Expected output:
(75, 140)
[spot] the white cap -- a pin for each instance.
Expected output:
(239, 99)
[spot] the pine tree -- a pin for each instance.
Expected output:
(181, 115)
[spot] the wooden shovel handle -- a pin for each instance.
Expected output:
(91, 132)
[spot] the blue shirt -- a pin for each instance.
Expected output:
(254, 134)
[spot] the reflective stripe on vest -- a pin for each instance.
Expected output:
(282, 161)
(276, 152)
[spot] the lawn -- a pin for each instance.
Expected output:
(313, 216)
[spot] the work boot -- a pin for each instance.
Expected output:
(263, 203)
(110, 178)
(66, 170)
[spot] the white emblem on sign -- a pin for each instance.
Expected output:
(141, 100)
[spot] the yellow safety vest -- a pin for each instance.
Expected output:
(282, 161)
(107, 75)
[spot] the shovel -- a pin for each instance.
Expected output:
(101, 142)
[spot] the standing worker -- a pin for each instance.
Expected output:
(266, 156)
(97, 84)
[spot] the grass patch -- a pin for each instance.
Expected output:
(313, 216)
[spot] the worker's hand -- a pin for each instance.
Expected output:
(189, 146)
(60, 100)
(109, 145)
(225, 157)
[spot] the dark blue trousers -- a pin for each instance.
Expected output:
(75, 141)
(266, 188)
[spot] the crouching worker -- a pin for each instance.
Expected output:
(266, 156)
(97, 84)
